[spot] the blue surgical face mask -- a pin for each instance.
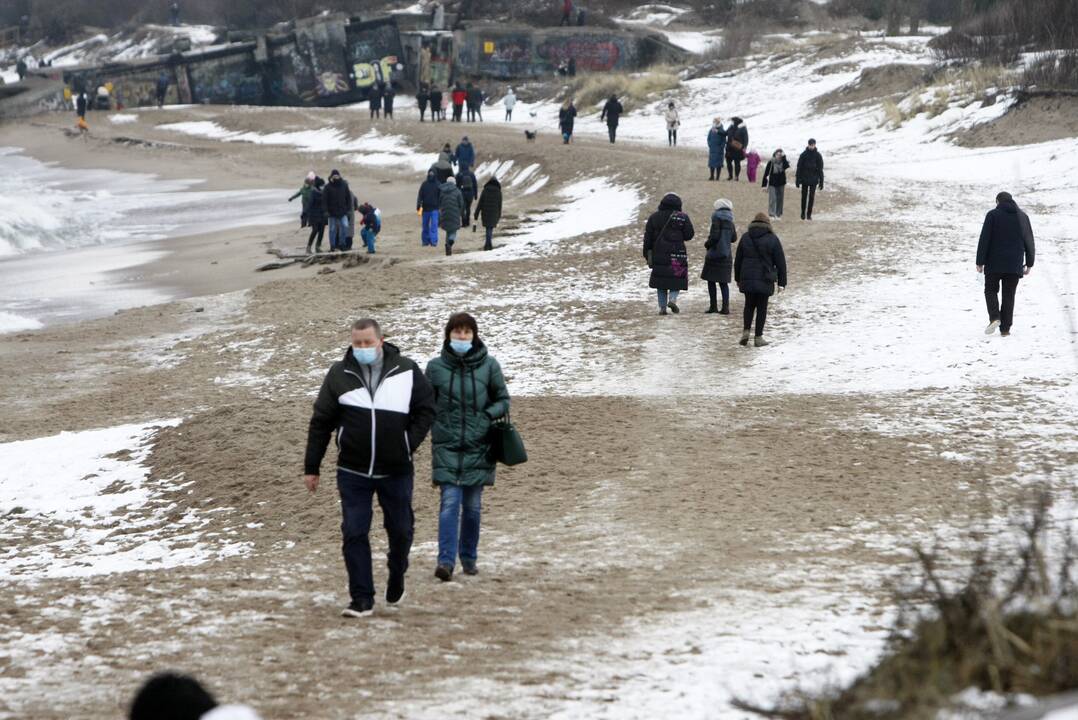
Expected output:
(460, 347)
(365, 356)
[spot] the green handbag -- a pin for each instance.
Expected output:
(506, 446)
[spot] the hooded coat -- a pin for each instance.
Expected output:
(442, 170)
(338, 198)
(1006, 243)
(759, 261)
(719, 261)
(665, 235)
(469, 393)
(450, 207)
(566, 119)
(429, 194)
(490, 203)
(467, 184)
(716, 146)
(465, 154)
(316, 207)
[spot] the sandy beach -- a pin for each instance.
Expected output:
(682, 489)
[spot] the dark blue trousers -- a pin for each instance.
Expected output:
(395, 498)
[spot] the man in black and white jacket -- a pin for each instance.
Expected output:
(380, 407)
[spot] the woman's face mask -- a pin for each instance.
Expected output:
(460, 347)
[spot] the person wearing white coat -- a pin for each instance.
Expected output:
(510, 102)
(673, 120)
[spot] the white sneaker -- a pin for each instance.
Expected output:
(991, 327)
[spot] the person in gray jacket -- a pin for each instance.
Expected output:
(450, 212)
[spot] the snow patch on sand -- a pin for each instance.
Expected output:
(589, 206)
(371, 148)
(81, 503)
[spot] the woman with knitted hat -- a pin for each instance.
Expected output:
(719, 261)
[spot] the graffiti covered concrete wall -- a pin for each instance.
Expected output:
(332, 60)
(234, 78)
(512, 53)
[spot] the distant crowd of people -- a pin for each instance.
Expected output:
(468, 96)
(445, 198)
(335, 206)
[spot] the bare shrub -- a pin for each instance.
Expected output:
(1007, 624)
(1052, 71)
(736, 39)
(632, 89)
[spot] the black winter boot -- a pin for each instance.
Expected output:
(725, 309)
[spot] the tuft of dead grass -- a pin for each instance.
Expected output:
(1007, 625)
(632, 89)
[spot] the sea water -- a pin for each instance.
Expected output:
(65, 232)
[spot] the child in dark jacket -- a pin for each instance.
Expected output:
(371, 224)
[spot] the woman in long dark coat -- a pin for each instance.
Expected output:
(665, 235)
(490, 207)
(758, 265)
(719, 261)
(716, 147)
(469, 393)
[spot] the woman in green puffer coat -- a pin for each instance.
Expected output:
(470, 393)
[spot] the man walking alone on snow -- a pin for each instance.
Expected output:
(380, 406)
(808, 177)
(1005, 255)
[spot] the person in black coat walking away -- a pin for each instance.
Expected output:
(665, 235)
(469, 188)
(316, 215)
(719, 261)
(375, 97)
(566, 119)
(475, 103)
(489, 208)
(80, 105)
(737, 140)
(422, 97)
(612, 113)
(1005, 255)
(809, 176)
(436, 112)
(758, 264)
(775, 182)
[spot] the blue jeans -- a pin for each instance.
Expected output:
(338, 230)
(395, 499)
(451, 237)
(368, 238)
(429, 234)
(666, 297)
(458, 524)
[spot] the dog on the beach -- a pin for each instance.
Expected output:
(531, 131)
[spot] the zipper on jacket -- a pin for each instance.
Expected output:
(374, 421)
